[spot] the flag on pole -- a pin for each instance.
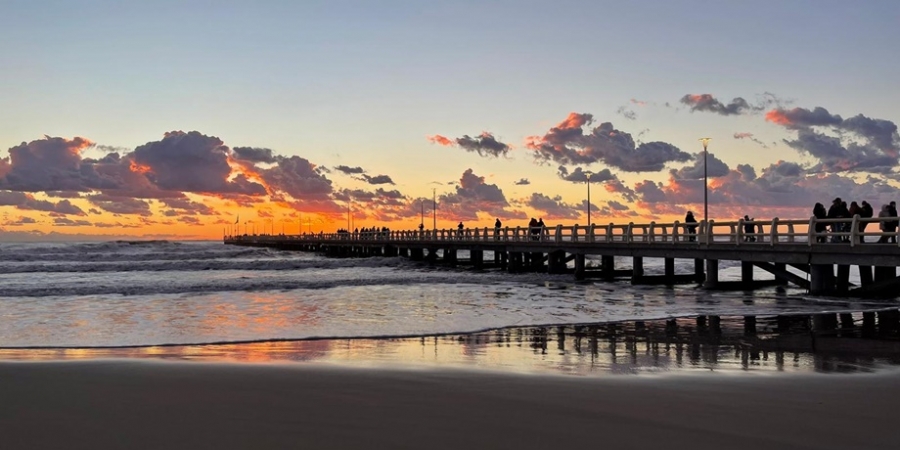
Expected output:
(238, 220)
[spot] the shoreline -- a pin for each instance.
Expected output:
(156, 404)
(798, 343)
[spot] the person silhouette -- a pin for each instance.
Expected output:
(691, 226)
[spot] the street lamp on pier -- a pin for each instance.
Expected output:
(705, 142)
(434, 208)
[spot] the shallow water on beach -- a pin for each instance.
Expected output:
(125, 293)
(751, 344)
(205, 301)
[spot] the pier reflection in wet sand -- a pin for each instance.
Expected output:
(847, 342)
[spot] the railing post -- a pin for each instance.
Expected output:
(590, 233)
(854, 231)
(790, 226)
(675, 228)
(740, 231)
(609, 232)
(811, 232)
(575, 233)
(629, 232)
(558, 237)
(517, 234)
(773, 232)
(651, 235)
(709, 231)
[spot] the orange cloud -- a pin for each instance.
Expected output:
(438, 139)
(574, 120)
(778, 116)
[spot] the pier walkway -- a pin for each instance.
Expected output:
(791, 250)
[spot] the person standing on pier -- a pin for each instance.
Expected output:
(820, 213)
(749, 230)
(497, 226)
(691, 226)
(460, 227)
(541, 229)
(865, 212)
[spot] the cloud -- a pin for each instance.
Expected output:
(253, 154)
(378, 179)
(715, 167)
(708, 103)
(522, 182)
(856, 143)
(617, 187)
(66, 222)
(297, 177)
(120, 205)
(783, 189)
(484, 144)
(567, 144)
(27, 202)
(349, 170)
(191, 162)
(749, 136)
(473, 196)
(626, 113)
(580, 176)
(49, 164)
(553, 207)
(187, 206)
(20, 221)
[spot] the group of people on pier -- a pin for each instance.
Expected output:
(840, 210)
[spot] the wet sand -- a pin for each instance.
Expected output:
(154, 405)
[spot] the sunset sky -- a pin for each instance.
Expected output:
(176, 119)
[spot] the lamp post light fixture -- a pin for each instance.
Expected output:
(588, 173)
(705, 142)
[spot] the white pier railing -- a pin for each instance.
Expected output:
(848, 231)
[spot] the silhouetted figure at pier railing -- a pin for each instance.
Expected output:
(865, 212)
(497, 226)
(749, 229)
(691, 226)
(460, 228)
(819, 212)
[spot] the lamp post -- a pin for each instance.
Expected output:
(705, 142)
(434, 208)
(588, 173)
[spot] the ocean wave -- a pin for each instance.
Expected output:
(245, 284)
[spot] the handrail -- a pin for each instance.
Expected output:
(852, 231)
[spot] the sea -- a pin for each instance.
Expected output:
(209, 301)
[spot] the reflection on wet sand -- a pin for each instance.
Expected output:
(847, 342)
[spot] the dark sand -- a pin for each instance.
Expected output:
(139, 404)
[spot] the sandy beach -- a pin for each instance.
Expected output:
(173, 405)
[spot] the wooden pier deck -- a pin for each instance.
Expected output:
(818, 261)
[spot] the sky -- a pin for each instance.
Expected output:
(194, 119)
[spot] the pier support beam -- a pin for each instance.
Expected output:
(579, 266)
(516, 260)
(842, 283)
(637, 269)
(556, 262)
(712, 273)
(608, 265)
(699, 272)
(865, 275)
(821, 279)
(782, 280)
(669, 264)
(477, 258)
(746, 271)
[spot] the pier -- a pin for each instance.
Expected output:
(792, 251)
